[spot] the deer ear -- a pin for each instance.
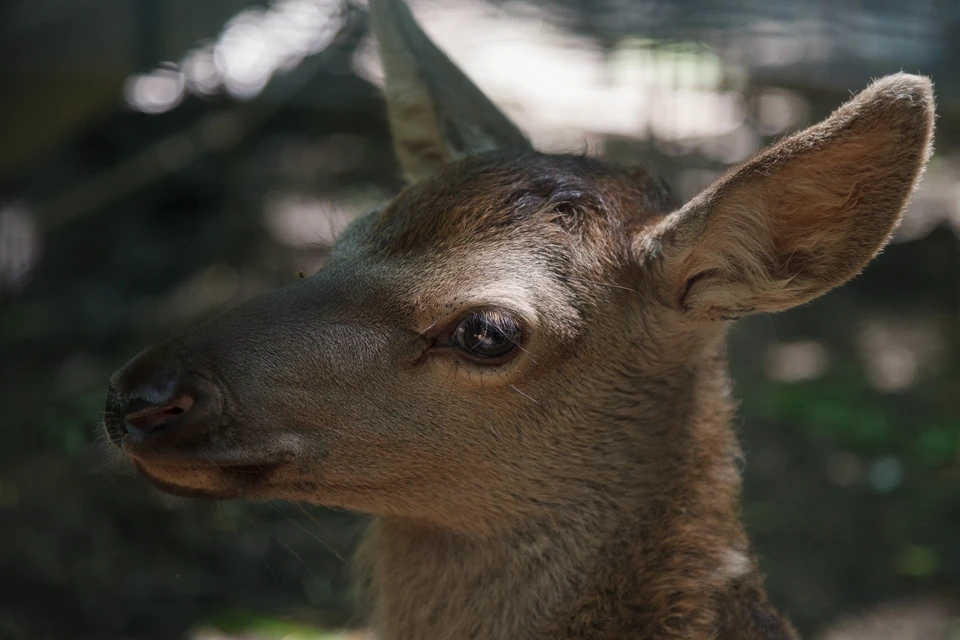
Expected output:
(436, 113)
(803, 216)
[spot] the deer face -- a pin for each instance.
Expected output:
(469, 316)
(490, 341)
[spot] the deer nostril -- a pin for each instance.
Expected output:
(140, 420)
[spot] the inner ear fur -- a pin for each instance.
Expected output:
(805, 215)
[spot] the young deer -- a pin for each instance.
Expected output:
(517, 366)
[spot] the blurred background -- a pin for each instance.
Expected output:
(163, 160)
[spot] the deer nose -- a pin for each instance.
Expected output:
(142, 418)
(155, 401)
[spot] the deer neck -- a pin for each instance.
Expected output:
(430, 584)
(663, 554)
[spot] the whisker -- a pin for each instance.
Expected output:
(531, 398)
(251, 547)
(432, 324)
(773, 328)
(309, 533)
(526, 351)
(602, 284)
(507, 336)
(294, 554)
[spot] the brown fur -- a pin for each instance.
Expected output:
(587, 488)
(798, 204)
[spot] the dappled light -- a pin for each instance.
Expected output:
(301, 221)
(687, 98)
(797, 361)
(897, 352)
(843, 468)
(885, 474)
(20, 247)
(567, 93)
(937, 202)
(258, 43)
(918, 617)
(253, 46)
(155, 92)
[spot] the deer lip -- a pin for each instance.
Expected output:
(200, 465)
(197, 460)
(157, 464)
(235, 479)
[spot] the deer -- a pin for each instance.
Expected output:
(516, 367)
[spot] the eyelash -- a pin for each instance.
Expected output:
(484, 336)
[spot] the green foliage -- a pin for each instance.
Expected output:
(71, 425)
(843, 410)
(939, 444)
(918, 562)
(264, 627)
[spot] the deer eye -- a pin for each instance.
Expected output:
(487, 335)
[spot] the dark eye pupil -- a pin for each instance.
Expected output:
(486, 337)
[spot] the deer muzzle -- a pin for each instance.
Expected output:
(158, 408)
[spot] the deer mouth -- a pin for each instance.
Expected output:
(212, 480)
(172, 424)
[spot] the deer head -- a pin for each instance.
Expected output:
(519, 337)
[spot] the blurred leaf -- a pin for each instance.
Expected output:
(938, 445)
(264, 627)
(835, 411)
(918, 562)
